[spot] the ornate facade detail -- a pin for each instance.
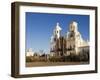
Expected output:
(72, 43)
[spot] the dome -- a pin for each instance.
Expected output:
(73, 26)
(74, 23)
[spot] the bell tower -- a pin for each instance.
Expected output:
(73, 27)
(56, 40)
(57, 31)
(72, 39)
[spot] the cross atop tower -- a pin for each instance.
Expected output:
(57, 24)
(58, 28)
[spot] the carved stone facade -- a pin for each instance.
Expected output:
(72, 43)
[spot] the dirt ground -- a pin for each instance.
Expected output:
(37, 64)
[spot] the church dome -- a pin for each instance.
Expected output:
(73, 26)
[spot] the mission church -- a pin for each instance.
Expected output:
(71, 43)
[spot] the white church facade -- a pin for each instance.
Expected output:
(71, 43)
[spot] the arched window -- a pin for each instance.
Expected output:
(57, 31)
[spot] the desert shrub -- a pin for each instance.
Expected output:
(28, 59)
(36, 59)
(84, 56)
(56, 59)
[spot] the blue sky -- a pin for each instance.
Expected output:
(39, 28)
